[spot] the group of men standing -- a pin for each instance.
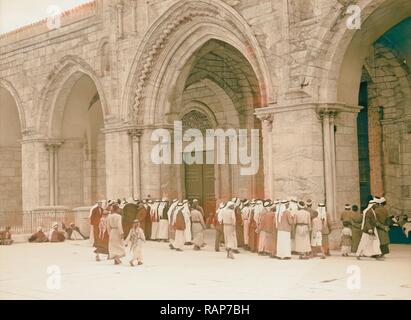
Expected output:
(282, 228)
(276, 229)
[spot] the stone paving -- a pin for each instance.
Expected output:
(202, 275)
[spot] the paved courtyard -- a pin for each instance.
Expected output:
(204, 275)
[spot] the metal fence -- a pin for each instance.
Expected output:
(28, 222)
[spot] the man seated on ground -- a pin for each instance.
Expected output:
(5, 237)
(38, 236)
(73, 232)
(55, 235)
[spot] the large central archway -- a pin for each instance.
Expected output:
(219, 90)
(198, 56)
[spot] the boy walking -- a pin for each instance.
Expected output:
(346, 239)
(136, 238)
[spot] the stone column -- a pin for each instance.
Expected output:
(134, 16)
(293, 164)
(267, 152)
(52, 148)
(333, 162)
(135, 135)
(329, 160)
(168, 181)
(119, 176)
(150, 172)
(35, 172)
(119, 14)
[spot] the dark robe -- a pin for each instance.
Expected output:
(147, 229)
(346, 216)
(356, 230)
(5, 237)
(267, 225)
(370, 222)
(70, 229)
(38, 237)
(95, 218)
(142, 216)
(252, 233)
(180, 223)
(325, 232)
(383, 224)
(57, 236)
(239, 229)
(219, 232)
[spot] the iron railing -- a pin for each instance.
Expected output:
(28, 222)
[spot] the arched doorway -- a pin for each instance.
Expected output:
(366, 67)
(205, 55)
(199, 178)
(10, 155)
(385, 94)
(219, 91)
(80, 157)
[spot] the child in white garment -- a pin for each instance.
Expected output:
(135, 239)
(346, 239)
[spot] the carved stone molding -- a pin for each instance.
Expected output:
(135, 134)
(53, 145)
(184, 15)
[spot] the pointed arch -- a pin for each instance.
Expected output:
(173, 39)
(64, 76)
(13, 92)
(337, 53)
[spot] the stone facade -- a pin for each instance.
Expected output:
(290, 68)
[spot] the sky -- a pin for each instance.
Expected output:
(17, 13)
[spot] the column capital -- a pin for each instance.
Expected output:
(265, 114)
(135, 134)
(332, 109)
(53, 144)
(120, 6)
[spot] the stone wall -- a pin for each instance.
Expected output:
(71, 183)
(299, 46)
(11, 182)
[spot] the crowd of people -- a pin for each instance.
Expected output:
(276, 229)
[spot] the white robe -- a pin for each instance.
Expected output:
(135, 239)
(179, 240)
(283, 244)
(227, 217)
(116, 247)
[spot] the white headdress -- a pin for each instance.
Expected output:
(293, 206)
(280, 210)
(170, 210)
(322, 212)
